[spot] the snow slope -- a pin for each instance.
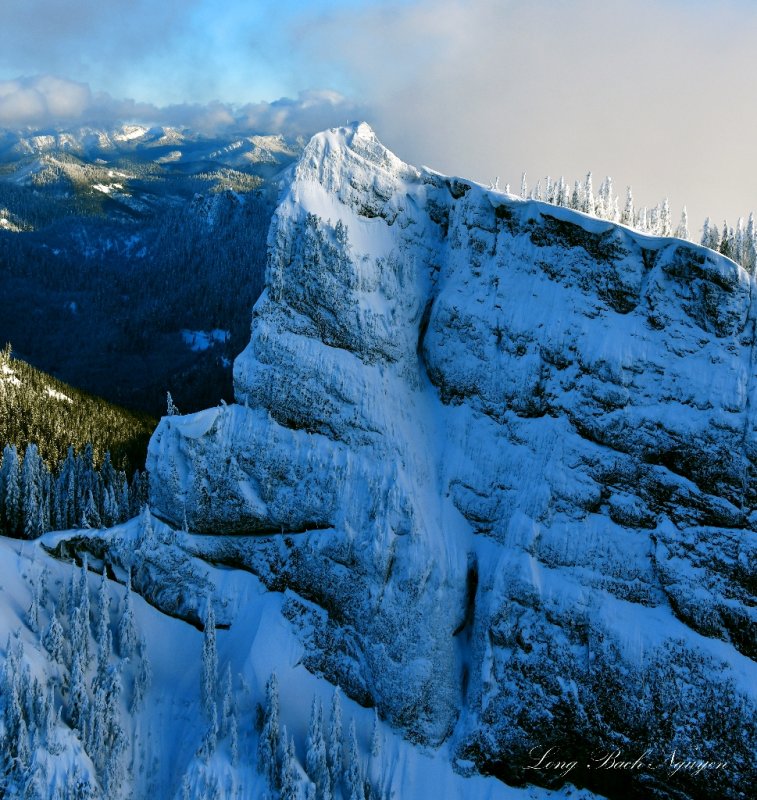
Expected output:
(164, 735)
(509, 452)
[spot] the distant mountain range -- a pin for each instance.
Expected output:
(115, 242)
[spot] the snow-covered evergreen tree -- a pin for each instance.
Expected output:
(665, 222)
(53, 639)
(682, 231)
(749, 260)
(80, 627)
(227, 703)
(588, 196)
(31, 492)
(143, 678)
(90, 517)
(209, 675)
(316, 761)
(268, 743)
(171, 409)
(376, 735)
(127, 627)
(10, 487)
(354, 776)
(233, 730)
(146, 536)
(575, 198)
(627, 217)
(210, 740)
(288, 778)
(103, 609)
(335, 758)
(32, 616)
(726, 241)
(78, 699)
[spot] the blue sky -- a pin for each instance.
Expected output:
(656, 93)
(173, 51)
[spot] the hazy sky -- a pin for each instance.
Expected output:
(656, 93)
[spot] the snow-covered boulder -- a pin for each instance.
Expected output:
(502, 455)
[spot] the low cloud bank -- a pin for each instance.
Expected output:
(48, 100)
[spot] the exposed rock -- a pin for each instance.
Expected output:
(517, 447)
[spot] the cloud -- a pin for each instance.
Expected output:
(61, 37)
(47, 100)
(652, 92)
(42, 99)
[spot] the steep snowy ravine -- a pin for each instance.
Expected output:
(499, 458)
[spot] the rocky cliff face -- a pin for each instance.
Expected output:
(501, 455)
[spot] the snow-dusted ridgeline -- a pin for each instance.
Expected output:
(510, 449)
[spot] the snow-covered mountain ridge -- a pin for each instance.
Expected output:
(511, 452)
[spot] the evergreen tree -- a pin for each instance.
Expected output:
(549, 190)
(104, 652)
(705, 240)
(210, 741)
(627, 217)
(171, 409)
(90, 517)
(588, 196)
(49, 719)
(682, 232)
(665, 219)
(602, 202)
(288, 779)
(227, 705)
(80, 633)
(738, 242)
(33, 615)
(78, 699)
(53, 639)
(233, 738)
(209, 659)
(726, 244)
(563, 193)
(103, 608)
(750, 246)
(143, 678)
(146, 536)
(576, 201)
(31, 492)
(269, 736)
(355, 787)
(124, 507)
(10, 485)
(23, 749)
(376, 736)
(523, 187)
(335, 759)
(316, 762)
(643, 221)
(654, 221)
(127, 628)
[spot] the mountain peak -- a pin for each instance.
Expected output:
(449, 388)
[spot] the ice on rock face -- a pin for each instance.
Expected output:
(511, 452)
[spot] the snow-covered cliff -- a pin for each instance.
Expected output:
(502, 456)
